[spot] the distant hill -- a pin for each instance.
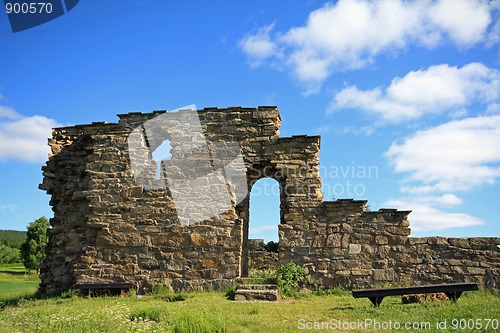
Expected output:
(12, 238)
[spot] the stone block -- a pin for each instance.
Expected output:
(384, 275)
(381, 240)
(354, 248)
(334, 240)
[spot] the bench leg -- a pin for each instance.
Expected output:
(376, 300)
(454, 295)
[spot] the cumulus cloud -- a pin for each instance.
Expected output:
(24, 138)
(8, 112)
(348, 34)
(437, 89)
(263, 229)
(457, 156)
(425, 217)
(258, 46)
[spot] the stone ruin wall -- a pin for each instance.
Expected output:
(107, 229)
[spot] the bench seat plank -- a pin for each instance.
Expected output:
(89, 287)
(104, 285)
(452, 290)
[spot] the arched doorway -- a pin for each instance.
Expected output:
(264, 210)
(262, 214)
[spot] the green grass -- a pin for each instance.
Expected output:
(212, 312)
(16, 282)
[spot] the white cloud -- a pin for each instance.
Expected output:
(263, 229)
(447, 199)
(350, 33)
(24, 138)
(464, 21)
(425, 217)
(259, 47)
(8, 207)
(493, 108)
(435, 90)
(8, 112)
(325, 129)
(456, 156)
(356, 130)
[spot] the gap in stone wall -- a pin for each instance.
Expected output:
(264, 219)
(160, 154)
(265, 210)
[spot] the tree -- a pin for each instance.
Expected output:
(272, 247)
(33, 248)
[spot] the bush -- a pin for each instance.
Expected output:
(264, 276)
(231, 292)
(289, 276)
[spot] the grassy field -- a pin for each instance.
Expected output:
(212, 312)
(15, 282)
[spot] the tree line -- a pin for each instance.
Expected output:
(27, 247)
(10, 246)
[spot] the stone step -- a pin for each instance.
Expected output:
(256, 292)
(258, 286)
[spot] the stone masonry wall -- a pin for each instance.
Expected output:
(113, 223)
(342, 245)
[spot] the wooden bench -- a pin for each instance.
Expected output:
(452, 290)
(87, 288)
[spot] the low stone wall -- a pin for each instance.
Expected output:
(447, 260)
(262, 260)
(342, 245)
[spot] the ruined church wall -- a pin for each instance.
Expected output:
(110, 228)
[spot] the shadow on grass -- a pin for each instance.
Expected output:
(18, 300)
(36, 295)
(342, 308)
(16, 273)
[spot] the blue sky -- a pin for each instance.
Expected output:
(406, 95)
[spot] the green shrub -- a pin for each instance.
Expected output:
(231, 291)
(262, 276)
(288, 277)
